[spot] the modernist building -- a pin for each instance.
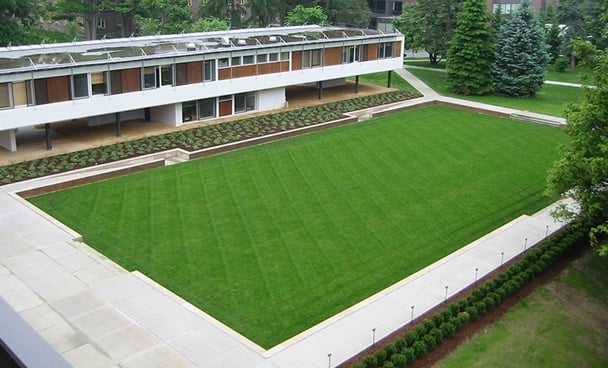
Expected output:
(179, 79)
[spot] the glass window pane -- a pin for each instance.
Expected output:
(189, 111)
(166, 75)
(236, 60)
(262, 58)
(223, 63)
(248, 59)
(273, 57)
(239, 103)
(209, 70)
(250, 102)
(316, 57)
(19, 94)
(80, 83)
(150, 77)
(284, 56)
(206, 108)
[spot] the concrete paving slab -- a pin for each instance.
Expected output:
(59, 250)
(78, 304)
(88, 356)
(158, 357)
(234, 358)
(96, 274)
(41, 317)
(63, 337)
(101, 321)
(76, 261)
(145, 303)
(127, 342)
(17, 294)
(118, 288)
(203, 344)
(172, 322)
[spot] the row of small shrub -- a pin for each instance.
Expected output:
(426, 335)
(198, 138)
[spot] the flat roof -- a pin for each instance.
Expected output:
(48, 56)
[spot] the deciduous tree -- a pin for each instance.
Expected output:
(582, 171)
(429, 25)
(302, 15)
(13, 16)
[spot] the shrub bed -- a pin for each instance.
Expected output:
(198, 138)
(446, 323)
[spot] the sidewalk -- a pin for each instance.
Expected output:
(96, 314)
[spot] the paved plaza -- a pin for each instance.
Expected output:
(84, 310)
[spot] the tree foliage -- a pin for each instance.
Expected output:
(301, 15)
(582, 171)
(164, 16)
(210, 24)
(521, 56)
(228, 10)
(14, 16)
(429, 25)
(471, 51)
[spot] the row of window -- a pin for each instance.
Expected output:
(227, 105)
(85, 85)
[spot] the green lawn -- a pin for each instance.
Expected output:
(276, 238)
(562, 324)
(550, 100)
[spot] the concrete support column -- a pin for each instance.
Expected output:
(357, 84)
(118, 132)
(320, 90)
(8, 139)
(47, 134)
(390, 76)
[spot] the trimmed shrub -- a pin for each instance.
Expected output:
(437, 334)
(429, 341)
(380, 357)
(419, 348)
(464, 317)
(370, 361)
(472, 312)
(428, 325)
(437, 319)
(388, 365)
(390, 350)
(448, 330)
(359, 365)
(400, 343)
(409, 354)
(410, 338)
(399, 360)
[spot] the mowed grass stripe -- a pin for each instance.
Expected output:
(276, 238)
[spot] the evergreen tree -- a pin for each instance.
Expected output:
(521, 56)
(471, 51)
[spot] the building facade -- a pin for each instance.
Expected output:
(179, 79)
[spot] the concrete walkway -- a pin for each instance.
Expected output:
(96, 314)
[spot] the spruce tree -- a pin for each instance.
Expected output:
(471, 51)
(521, 56)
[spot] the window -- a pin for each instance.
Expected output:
(385, 50)
(189, 111)
(284, 56)
(101, 23)
(5, 95)
(273, 57)
(209, 70)
(262, 58)
(80, 85)
(236, 60)
(311, 58)
(166, 75)
(244, 102)
(99, 83)
(223, 63)
(248, 59)
(350, 54)
(149, 77)
(397, 7)
(206, 108)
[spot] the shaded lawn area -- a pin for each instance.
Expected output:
(276, 238)
(562, 324)
(550, 100)
(381, 79)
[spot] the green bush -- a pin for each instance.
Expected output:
(370, 361)
(388, 365)
(419, 348)
(400, 344)
(472, 312)
(390, 350)
(399, 360)
(561, 64)
(409, 354)
(380, 357)
(464, 317)
(448, 330)
(410, 338)
(429, 341)
(359, 365)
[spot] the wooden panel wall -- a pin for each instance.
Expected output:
(115, 82)
(372, 51)
(40, 90)
(397, 49)
(243, 71)
(181, 74)
(58, 89)
(333, 56)
(296, 60)
(195, 72)
(225, 107)
(131, 80)
(224, 73)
